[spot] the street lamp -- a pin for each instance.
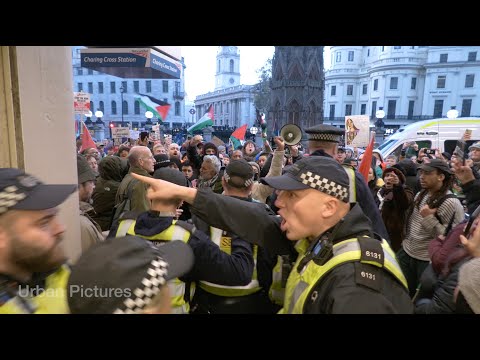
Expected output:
(148, 123)
(121, 93)
(99, 126)
(452, 113)
(379, 125)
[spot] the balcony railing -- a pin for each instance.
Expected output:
(178, 94)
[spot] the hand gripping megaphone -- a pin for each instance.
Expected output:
(291, 134)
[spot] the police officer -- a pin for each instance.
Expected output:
(323, 141)
(33, 273)
(342, 267)
(159, 225)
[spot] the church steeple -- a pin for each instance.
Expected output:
(227, 67)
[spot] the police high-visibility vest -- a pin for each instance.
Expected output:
(52, 300)
(173, 232)
(351, 184)
(300, 284)
(225, 244)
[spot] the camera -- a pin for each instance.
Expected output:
(430, 151)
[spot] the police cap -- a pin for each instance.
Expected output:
(325, 132)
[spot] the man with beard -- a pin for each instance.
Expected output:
(33, 273)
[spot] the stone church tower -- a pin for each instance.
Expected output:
(296, 87)
(227, 72)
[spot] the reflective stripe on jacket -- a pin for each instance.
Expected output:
(225, 244)
(173, 232)
(300, 284)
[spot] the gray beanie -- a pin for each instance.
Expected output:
(469, 283)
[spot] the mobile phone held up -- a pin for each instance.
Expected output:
(461, 151)
(470, 221)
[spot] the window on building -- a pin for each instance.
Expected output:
(466, 107)
(101, 106)
(364, 89)
(338, 56)
(125, 87)
(113, 88)
(177, 86)
(443, 58)
(165, 86)
(232, 66)
(90, 72)
(391, 109)
(368, 52)
(472, 56)
(383, 48)
(218, 66)
(349, 90)
(221, 108)
(100, 87)
(90, 87)
(92, 107)
(375, 85)
(148, 86)
(397, 47)
(411, 104)
(136, 86)
(363, 109)
(438, 108)
(177, 108)
(332, 112)
(412, 47)
(136, 107)
(125, 107)
(79, 86)
(114, 108)
(393, 83)
(228, 107)
(469, 80)
(348, 109)
(374, 109)
(413, 84)
(216, 108)
(351, 54)
(441, 79)
(80, 71)
(333, 90)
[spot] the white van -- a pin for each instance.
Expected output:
(436, 133)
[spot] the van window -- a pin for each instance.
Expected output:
(421, 144)
(450, 145)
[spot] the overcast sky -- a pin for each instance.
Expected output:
(200, 66)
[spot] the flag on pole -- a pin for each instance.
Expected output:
(238, 136)
(205, 121)
(366, 162)
(87, 141)
(159, 108)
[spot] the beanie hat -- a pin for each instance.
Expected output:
(255, 165)
(469, 283)
(85, 172)
(398, 172)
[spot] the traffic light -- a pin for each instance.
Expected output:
(112, 124)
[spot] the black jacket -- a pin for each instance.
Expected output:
(211, 264)
(366, 201)
(338, 291)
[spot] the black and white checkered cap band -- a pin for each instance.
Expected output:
(325, 185)
(324, 137)
(151, 285)
(9, 197)
(247, 182)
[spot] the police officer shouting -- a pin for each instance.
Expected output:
(341, 266)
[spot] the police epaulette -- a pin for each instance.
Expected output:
(187, 226)
(129, 215)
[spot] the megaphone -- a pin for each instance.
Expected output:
(291, 134)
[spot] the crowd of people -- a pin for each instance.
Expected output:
(197, 228)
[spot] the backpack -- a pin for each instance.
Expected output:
(124, 205)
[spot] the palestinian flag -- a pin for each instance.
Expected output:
(205, 121)
(159, 108)
(238, 136)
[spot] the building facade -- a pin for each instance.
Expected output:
(108, 93)
(233, 103)
(410, 83)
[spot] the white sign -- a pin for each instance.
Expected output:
(120, 132)
(357, 130)
(134, 134)
(81, 102)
